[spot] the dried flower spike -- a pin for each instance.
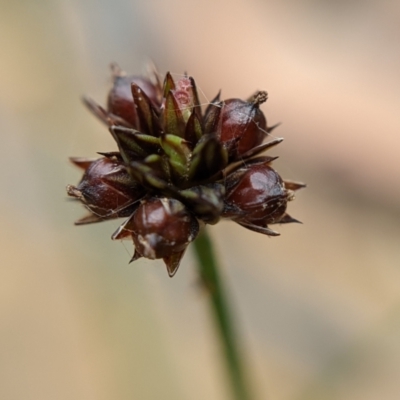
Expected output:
(177, 168)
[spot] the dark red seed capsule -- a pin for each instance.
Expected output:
(243, 125)
(162, 227)
(256, 193)
(107, 189)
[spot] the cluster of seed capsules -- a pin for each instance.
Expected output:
(179, 167)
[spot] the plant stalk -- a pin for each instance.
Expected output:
(211, 279)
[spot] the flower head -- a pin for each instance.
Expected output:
(177, 167)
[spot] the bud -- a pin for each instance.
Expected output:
(256, 196)
(106, 189)
(243, 125)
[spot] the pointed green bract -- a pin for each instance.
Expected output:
(173, 122)
(196, 101)
(212, 117)
(147, 176)
(208, 158)
(146, 113)
(207, 201)
(169, 84)
(215, 100)
(132, 144)
(194, 130)
(178, 153)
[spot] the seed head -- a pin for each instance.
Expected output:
(177, 168)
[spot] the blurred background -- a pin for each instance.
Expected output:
(317, 309)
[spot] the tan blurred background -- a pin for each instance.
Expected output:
(318, 308)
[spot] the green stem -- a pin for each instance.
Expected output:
(211, 279)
